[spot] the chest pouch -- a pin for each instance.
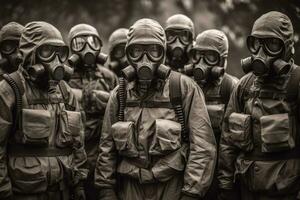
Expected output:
(124, 138)
(69, 128)
(240, 131)
(167, 137)
(216, 113)
(36, 127)
(276, 133)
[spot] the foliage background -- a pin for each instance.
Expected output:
(234, 17)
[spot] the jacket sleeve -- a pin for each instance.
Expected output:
(79, 155)
(105, 171)
(227, 152)
(7, 101)
(201, 161)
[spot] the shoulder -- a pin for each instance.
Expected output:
(106, 73)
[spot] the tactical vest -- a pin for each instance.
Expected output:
(32, 127)
(268, 128)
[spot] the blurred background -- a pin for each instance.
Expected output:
(234, 17)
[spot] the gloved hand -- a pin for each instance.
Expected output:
(79, 193)
(228, 194)
(188, 197)
(107, 194)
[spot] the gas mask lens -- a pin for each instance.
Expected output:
(119, 51)
(210, 57)
(8, 46)
(47, 53)
(183, 35)
(271, 46)
(154, 52)
(78, 43)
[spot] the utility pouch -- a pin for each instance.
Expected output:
(69, 127)
(240, 128)
(35, 127)
(276, 133)
(124, 137)
(167, 137)
(216, 113)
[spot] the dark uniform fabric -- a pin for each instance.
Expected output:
(261, 127)
(46, 123)
(143, 156)
(85, 85)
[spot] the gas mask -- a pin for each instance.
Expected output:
(10, 56)
(266, 57)
(207, 66)
(86, 52)
(145, 59)
(178, 44)
(118, 60)
(49, 67)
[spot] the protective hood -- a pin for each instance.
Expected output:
(180, 21)
(82, 29)
(212, 40)
(36, 34)
(117, 37)
(146, 31)
(275, 24)
(11, 31)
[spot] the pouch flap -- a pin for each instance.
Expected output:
(275, 128)
(238, 125)
(36, 123)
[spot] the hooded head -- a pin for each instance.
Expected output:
(180, 33)
(116, 48)
(269, 30)
(43, 52)
(209, 55)
(145, 49)
(9, 46)
(85, 45)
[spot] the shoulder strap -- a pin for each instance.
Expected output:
(176, 101)
(65, 95)
(226, 87)
(14, 80)
(293, 85)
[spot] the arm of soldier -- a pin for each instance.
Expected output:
(227, 152)
(79, 154)
(202, 157)
(7, 100)
(105, 171)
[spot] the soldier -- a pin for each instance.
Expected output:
(156, 136)
(260, 135)
(180, 33)
(9, 47)
(117, 57)
(92, 83)
(41, 136)
(209, 62)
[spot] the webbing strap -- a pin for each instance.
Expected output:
(284, 155)
(19, 150)
(149, 104)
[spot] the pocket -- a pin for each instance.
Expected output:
(27, 175)
(216, 113)
(36, 127)
(166, 167)
(276, 133)
(167, 137)
(124, 138)
(69, 127)
(240, 131)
